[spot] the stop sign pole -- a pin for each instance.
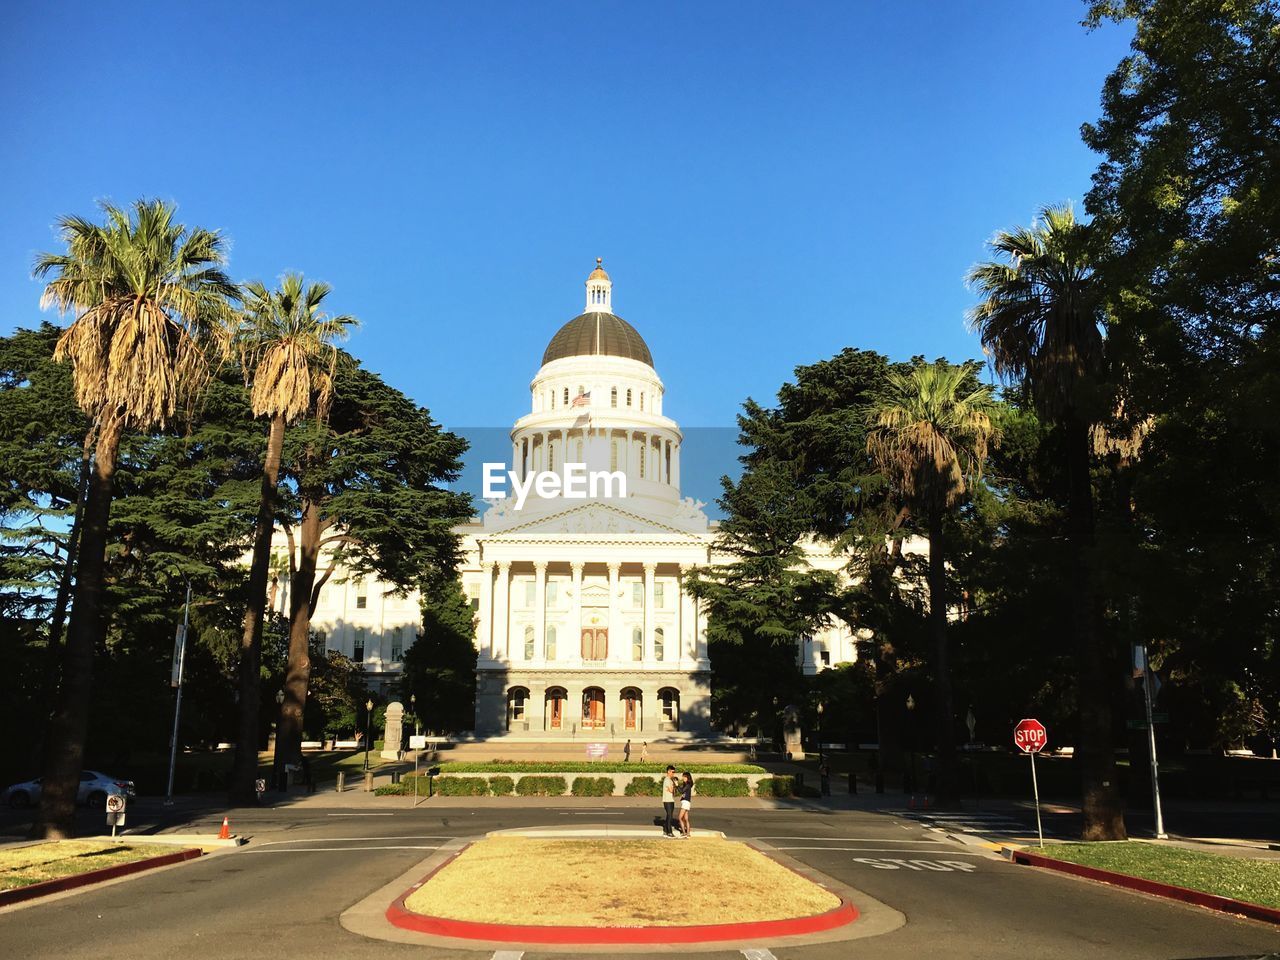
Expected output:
(1030, 737)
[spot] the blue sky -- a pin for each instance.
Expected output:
(766, 182)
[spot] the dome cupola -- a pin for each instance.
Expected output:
(598, 332)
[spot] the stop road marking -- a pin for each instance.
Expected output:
(937, 866)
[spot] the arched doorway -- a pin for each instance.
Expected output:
(592, 708)
(518, 708)
(632, 706)
(554, 713)
(669, 706)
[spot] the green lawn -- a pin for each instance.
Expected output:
(589, 766)
(35, 863)
(1255, 881)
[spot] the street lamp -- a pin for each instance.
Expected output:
(179, 662)
(910, 784)
(368, 730)
(282, 778)
(413, 705)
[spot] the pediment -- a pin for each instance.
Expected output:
(588, 519)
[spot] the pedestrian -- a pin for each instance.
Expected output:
(644, 751)
(306, 774)
(626, 752)
(824, 776)
(686, 803)
(669, 788)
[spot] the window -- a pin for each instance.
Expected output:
(553, 592)
(628, 396)
(551, 643)
(613, 455)
(552, 394)
(362, 599)
(397, 644)
(637, 644)
(517, 700)
(642, 400)
(659, 594)
(826, 658)
(613, 396)
(637, 594)
(357, 649)
(659, 644)
(551, 455)
(475, 604)
(528, 593)
(670, 700)
(528, 643)
(566, 396)
(644, 455)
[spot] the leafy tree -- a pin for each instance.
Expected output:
(440, 667)
(144, 290)
(369, 498)
(286, 342)
(929, 434)
(1040, 322)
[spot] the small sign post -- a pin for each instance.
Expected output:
(1030, 737)
(115, 811)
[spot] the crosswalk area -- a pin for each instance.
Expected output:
(992, 825)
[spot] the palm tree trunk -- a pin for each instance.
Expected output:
(948, 785)
(298, 672)
(69, 722)
(59, 616)
(245, 768)
(1103, 808)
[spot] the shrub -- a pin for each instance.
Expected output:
(732, 787)
(404, 787)
(541, 786)
(776, 787)
(588, 766)
(462, 786)
(389, 790)
(501, 786)
(592, 786)
(643, 787)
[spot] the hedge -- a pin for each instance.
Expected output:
(537, 786)
(643, 787)
(592, 787)
(404, 787)
(501, 786)
(588, 766)
(462, 786)
(736, 787)
(776, 787)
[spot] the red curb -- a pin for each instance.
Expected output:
(34, 890)
(402, 917)
(1199, 898)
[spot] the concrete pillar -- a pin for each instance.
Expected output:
(647, 635)
(484, 629)
(675, 465)
(501, 613)
(616, 641)
(575, 621)
(515, 456)
(688, 628)
(540, 610)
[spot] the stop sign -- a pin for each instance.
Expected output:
(1030, 736)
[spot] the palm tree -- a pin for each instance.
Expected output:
(145, 291)
(929, 433)
(1040, 321)
(287, 347)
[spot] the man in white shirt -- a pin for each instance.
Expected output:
(669, 802)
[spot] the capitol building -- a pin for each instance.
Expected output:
(583, 624)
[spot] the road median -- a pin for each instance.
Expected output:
(30, 871)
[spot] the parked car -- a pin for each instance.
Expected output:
(93, 790)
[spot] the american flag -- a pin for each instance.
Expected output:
(582, 400)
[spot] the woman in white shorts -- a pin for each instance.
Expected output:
(686, 802)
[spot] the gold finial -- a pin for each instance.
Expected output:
(599, 261)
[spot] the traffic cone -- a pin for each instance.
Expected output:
(225, 832)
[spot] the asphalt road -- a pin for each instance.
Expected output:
(282, 895)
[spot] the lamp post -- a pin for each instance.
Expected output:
(413, 705)
(282, 778)
(910, 784)
(180, 659)
(368, 730)
(824, 772)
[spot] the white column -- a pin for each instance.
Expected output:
(616, 640)
(649, 569)
(501, 605)
(515, 456)
(675, 465)
(484, 630)
(688, 626)
(540, 610)
(576, 620)
(699, 633)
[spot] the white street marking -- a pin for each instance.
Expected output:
(950, 853)
(508, 954)
(342, 849)
(273, 843)
(937, 866)
(359, 814)
(759, 954)
(850, 839)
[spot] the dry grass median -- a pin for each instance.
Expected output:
(615, 883)
(21, 866)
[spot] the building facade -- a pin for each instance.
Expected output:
(584, 627)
